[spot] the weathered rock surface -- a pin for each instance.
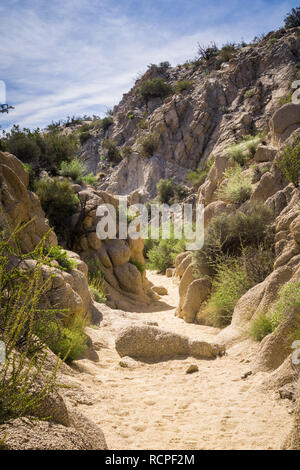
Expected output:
(149, 342)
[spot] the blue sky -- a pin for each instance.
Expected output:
(75, 57)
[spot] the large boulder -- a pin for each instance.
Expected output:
(152, 343)
(197, 292)
(285, 121)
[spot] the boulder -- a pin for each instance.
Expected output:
(197, 292)
(285, 121)
(264, 154)
(152, 343)
(149, 342)
(160, 290)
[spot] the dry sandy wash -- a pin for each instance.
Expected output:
(159, 406)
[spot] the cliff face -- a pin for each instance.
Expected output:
(220, 106)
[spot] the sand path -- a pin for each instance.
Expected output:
(159, 406)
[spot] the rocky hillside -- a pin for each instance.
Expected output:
(212, 104)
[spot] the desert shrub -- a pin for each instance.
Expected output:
(68, 340)
(22, 318)
(142, 124)
(238, 187)
(287, 98)
(106, 122)
(261, 327)
(112, 151)
(161, 253)
(58, 201)
(58, 254)
(84, 137)
(227, 52)
(289, 162)
(244, 150)
(288, 302)
(230, 283)
(96, 284)
(183, 85)
(140, 266)
(165, 190)
(198, 176)
(227, 235)
(207, 52)
(155, 88)
(74, 169)
(233, 277)
(44, 151)
(170, 192)
(249, 93)
(292, 19)
(147, 144)
(89, 179)
(126, 151)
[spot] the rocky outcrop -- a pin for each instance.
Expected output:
(149, 342)
(219, 107)
(117, 259)
(19, 206)
(21, 434)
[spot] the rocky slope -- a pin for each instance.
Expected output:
(221, 106)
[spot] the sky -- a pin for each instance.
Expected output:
(62, 58)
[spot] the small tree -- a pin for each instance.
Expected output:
(289, 162)
(292, 19)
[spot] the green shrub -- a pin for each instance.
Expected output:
(292, 19)
(161, 253)
(249, 93)
(59, 202)
(244, 150)
(22, 318)
(140, 266)
(89, 179)
(238, 187)
(84, 137)
(96, 285)
(261, 327)
(183, 85)
(229, 234)
(111, 151)
(155, 88)
(198, 176)
(289, 162)
(227, 52)
(106, 122)
(74, 169)
(147, 144)
(287, 98)
(58, 254)
(170, 192)
(68, 341)
(288, 303)
(233, 278)
(165, 190)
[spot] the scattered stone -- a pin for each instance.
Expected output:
(160, 290)
(169, 272)
(192, 368)
(247, 374)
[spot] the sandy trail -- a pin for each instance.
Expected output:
(159, 406)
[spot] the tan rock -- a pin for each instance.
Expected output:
(197, 292)
(161, 290)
